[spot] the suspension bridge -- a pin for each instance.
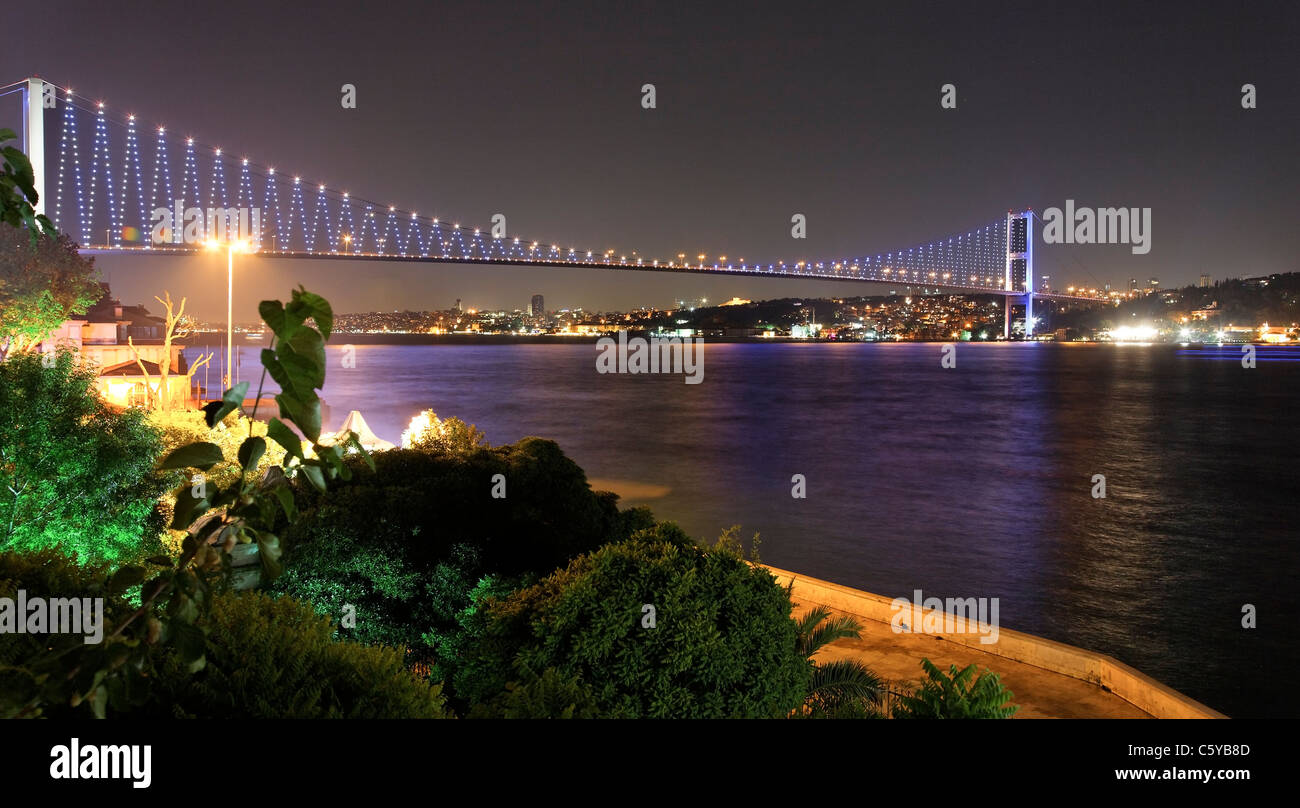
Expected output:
(116, 186)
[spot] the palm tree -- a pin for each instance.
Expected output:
(842, 688)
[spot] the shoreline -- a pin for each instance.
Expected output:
(1050, 679)
(217, 339)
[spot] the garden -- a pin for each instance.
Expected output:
(450, 579)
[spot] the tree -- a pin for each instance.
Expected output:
(175, 325)
(840, 688)
(41, 285)
(73, 471)
(18, 192)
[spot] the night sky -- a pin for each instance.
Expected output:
(534, 111)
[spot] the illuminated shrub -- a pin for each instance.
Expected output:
(83, 473)
(722, 644)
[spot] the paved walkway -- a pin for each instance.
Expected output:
(1040, 693)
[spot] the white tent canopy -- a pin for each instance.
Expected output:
(355, 423)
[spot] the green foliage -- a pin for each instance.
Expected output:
(817, 629)
(430, 502)
(73, 471)
(276, 658)
(182, 427)
(550, 695)
(18, 191)
(730, 541)
(452, 436)
(664, 533)
(843, 688)
(47, 573)
(265, 658)
(957, 694)
(723, 644)
(296, 361)
(42, 284)
(407, 542)
(174, 600)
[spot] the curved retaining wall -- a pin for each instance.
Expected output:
(1131, 685)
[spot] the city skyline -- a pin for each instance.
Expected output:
(865, 151)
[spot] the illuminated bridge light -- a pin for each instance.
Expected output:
(110, 173)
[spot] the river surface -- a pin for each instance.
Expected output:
(972, 481)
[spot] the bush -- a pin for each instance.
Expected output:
(266, 658)
(723, 644)
(955, 695)
(275, 658)
(452, 436)
(46, 573)
(550, 695)
(407, 543)
(83, 473)
(432, 501)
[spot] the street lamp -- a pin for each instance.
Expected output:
(231, 248)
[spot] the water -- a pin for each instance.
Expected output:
(968, 482)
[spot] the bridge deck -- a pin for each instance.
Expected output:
(714, 269)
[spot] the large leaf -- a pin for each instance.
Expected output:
(269, 551)
(282, 322)
(315, 307)
(303, 356)
(304, 414)
(314, 476)
(355, 442)
(202, 455)
(285, 496)
(188, 507)
(230, 401)
(286, 437)
(251, 451)
(189, 640)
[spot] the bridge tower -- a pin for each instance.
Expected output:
(34, 135)
(1020, 269)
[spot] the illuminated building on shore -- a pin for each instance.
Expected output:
(100, 337)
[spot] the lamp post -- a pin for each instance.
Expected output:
(231, 248)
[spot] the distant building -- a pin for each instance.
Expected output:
(736, 301)
(1204, 282)
(592, 328)
(537, 307)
